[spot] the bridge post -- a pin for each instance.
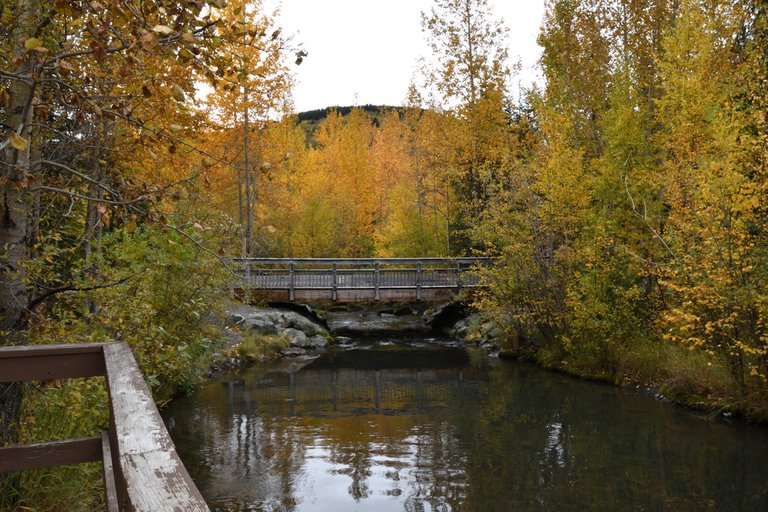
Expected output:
(458, 275)
(418, 280)
(334, 284)
(376, 275)
(292, 281)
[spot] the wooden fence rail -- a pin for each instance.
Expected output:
(358, 279)
(141, 469)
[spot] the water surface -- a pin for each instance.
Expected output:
(434, 426)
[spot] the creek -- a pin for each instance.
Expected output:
(424, 424)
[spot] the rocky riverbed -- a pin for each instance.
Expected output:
(299, 331)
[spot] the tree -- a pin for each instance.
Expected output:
(469, 47)
(716, 227)
(126, 68)
(469, 75)
(251, 91)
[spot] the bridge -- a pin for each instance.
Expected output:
(357, 279)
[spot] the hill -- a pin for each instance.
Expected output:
(312, 119)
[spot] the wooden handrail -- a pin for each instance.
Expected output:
(142, 471)
(469, 260)
(357, 279)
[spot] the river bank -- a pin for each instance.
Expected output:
(667, 372)
(422, 422)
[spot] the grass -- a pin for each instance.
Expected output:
(258, 347)
(57, 410)
(688, 377)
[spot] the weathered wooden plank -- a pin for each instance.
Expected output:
(43, 362)
(361, 261)
(110, 487)
(44, 455)
(154, 477)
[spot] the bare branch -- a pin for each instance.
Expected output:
(644, 217)
(55, 291)
(76, 173)
(71, 194)
(224, 261)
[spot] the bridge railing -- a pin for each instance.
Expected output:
(335, 275)
(141, 469)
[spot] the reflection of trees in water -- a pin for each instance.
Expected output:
(235, 452)
(355, 460)
(438, 476)
(512, 438)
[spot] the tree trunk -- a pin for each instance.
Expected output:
(14, 217)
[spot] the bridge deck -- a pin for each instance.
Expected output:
(358, 279)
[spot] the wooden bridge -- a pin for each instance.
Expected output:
(357, 279)
(141, 469)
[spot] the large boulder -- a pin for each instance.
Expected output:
(303, 310)
(263, 327)
(296, 337)
(294, 320)
(273, 322)
(300, 339)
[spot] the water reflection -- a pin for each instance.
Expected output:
(431, 428)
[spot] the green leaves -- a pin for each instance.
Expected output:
(178, 93)
(34, 44)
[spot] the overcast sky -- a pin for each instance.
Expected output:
(365, 51)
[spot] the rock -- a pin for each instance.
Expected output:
(343, 340)
(301, 340)
(293, 351)
(296, 321)
(263, 327)
(461, 329)
(272, 321)
(296, 337)
(405, 310)
(301, 309)
(318, 341)
(372, 324)
(235, 319)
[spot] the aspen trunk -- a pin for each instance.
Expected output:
(14, 218)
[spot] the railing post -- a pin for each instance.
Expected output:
(334, 283)
(291, 282)
(418, 280)
(376, 272)
(458, 275)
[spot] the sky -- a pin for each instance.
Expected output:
(366, 52)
